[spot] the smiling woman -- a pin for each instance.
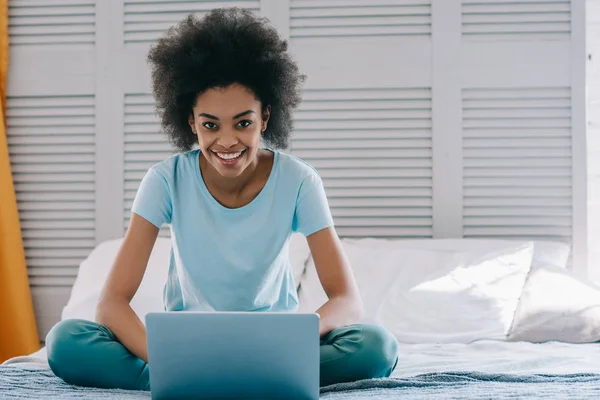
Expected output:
(231, 160)
(225, 83)
(226, 47)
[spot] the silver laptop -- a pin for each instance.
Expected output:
(230, 355)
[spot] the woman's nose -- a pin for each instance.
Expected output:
(227, 139)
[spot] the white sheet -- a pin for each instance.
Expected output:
(39, 359)
(499, 357)
(484, 356)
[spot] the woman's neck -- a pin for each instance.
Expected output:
(257, 172)
(230, 186)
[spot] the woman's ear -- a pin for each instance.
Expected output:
(191, 121)
(266, 114)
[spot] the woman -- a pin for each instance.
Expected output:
(225, 83)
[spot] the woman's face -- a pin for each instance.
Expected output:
(228, 123)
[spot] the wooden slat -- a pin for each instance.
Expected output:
(341, 11)
(353, 3)
(372, 147)
(144, 146)
(508, 20)
(62, 22)
(52, 150)
(517, 180)
(145, 21)
(353, 18)
(385, 232)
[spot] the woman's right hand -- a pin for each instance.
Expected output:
(113, 309)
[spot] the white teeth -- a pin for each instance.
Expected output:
(229, 156)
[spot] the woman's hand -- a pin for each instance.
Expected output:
(113, 309)
(344, 306)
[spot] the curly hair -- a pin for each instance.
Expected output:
(226, 46)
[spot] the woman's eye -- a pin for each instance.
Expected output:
(245, 123)
(209, 125)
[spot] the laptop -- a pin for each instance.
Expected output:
(233, 355)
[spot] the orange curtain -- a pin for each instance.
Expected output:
(18, 332)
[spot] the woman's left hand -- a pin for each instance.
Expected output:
(344, 306)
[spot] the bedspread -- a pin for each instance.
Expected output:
(17, 382)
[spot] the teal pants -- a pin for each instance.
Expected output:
(86, 353)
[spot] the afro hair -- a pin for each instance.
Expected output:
(226, 46)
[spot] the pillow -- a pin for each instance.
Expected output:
(425, 296)
(545, 252)
(364, 263)
(94, 270)
(557, 306)
(299, 254)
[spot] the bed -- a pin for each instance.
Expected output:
(481, 370)
(527, 328)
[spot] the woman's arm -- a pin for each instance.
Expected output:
(113, 309)
(344, 306)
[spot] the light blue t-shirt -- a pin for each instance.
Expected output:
(226, 259)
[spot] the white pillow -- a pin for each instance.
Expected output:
(299, 255)
(433, 296)
(545, 253)
(556, 305)
(374, 271)
(94, 270)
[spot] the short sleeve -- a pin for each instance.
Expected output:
(312, 208)
(153, 201)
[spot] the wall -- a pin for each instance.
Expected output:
(426, 118)
(593, 134)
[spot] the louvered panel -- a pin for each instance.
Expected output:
(64, 22)
(372, 147)
(144, 145)
(51, 145)
(517, 178)
(146, 20)
(339, 18)
(509, 19)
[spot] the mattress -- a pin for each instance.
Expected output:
(479, 370)
(494, 356)
(489, 356)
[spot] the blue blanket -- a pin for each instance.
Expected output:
(21, 383)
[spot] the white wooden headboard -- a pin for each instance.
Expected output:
(426, 118)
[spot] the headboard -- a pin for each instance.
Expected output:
(425, 118)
